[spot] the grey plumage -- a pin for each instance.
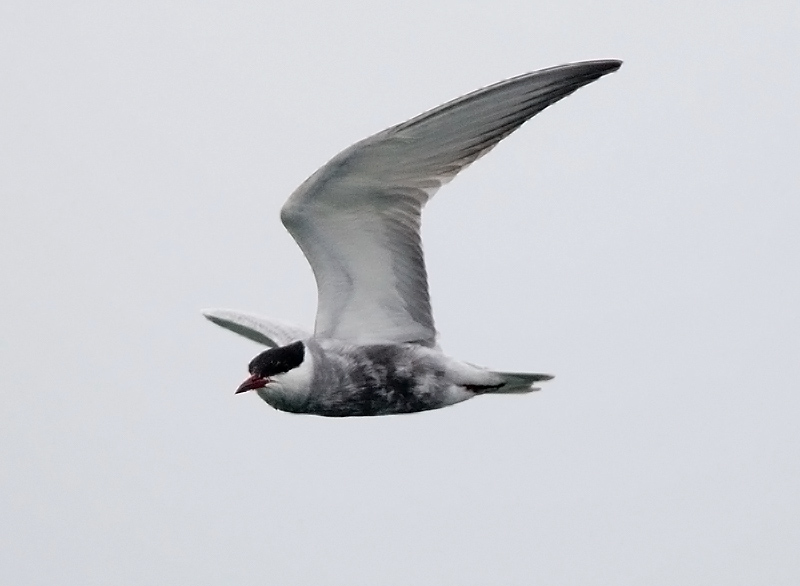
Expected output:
(357, 220)
(371, 380)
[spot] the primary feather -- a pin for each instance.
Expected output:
(357, 219)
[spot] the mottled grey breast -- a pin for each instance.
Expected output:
(374, 380)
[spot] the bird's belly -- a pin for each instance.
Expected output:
(394, 396)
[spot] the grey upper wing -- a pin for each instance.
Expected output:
(357, 218)
(265, 331)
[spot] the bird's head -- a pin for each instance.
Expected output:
(271, 366)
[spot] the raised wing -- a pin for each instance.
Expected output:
(357, 219)
(268, 332)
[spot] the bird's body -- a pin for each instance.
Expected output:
(338, 379)
(357, 219)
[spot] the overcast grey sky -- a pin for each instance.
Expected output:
(638, 239)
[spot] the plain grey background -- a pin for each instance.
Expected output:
(638, 239)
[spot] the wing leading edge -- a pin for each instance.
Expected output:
(357, 219)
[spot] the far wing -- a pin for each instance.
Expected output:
(357, 219)
(268, 332)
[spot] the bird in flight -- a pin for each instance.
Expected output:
(357, 219)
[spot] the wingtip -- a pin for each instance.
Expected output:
(599, 66)
(605, 66)
(211, 314)
(220, 317)
(586, 71)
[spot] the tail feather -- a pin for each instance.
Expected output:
(519, 382)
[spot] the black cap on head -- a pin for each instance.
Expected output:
(278, 360)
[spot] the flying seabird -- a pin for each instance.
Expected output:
(357, 219)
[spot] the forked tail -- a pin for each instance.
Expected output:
(519, 382)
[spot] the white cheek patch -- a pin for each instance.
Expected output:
(297, 380)
(289, 391)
